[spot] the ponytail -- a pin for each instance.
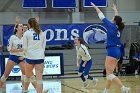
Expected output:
(119, 23)
(34, 24)
(121, 26)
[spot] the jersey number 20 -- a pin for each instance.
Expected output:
(36, 36)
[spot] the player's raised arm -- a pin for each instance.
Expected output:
(99, 12)
(114, 7)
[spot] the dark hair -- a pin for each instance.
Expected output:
(15, 29)
(81, 40)
(119, 23)
(34, 24)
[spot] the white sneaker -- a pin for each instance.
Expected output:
(125, 90)
(95, 81)
(105, 91)
(46, 91)
(86, 84)
(25, 91)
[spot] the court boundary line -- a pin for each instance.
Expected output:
(74, 88)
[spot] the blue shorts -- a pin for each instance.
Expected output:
(34, 61)
(15, 59)
(85, 70)
(114, 52)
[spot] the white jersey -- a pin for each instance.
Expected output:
(82, 52)
(34, 44)
(17, 43)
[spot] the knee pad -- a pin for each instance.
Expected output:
(3, 78)
(32, 78)
(29, 79)
(110, 77)
(79, 74)
(23, 77)
(39, 81)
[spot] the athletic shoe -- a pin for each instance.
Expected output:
(105, 91)
(25, 91)
(45, 91)
(95, 81)
(85, 85)
(125, 90)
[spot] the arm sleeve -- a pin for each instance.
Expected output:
(10, 43)
(101, 15)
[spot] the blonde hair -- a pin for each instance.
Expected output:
(34, 24)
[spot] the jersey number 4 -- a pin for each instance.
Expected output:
(36, 36)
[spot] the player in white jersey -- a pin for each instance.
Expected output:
(34, 42)
(16, 54)
(25, 28)
(86, 62)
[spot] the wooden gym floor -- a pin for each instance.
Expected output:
(74, 85)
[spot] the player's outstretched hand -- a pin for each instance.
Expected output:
(92, 4)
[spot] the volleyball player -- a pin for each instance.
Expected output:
(34, 42)
(85, 64)
(25, 28)
(113, 48)
(16, 54)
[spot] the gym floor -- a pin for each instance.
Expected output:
(74, 85)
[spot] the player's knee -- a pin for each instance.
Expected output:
(39, 81)
(110, 77)
(23, 77)
(32, 78)
(27, 79)
(80, 74)
(3, 78)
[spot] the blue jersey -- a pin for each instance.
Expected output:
(113, 34)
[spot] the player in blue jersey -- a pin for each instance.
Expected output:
(114, 28)
(85, 64)
(34, 42)
(16, 54)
